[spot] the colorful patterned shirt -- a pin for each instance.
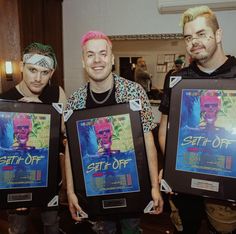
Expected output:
(125, 90)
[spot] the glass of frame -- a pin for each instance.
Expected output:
(29, 151)
(108, 159)
(201, 139)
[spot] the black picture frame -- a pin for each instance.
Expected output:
(201, 141)
(107, 190)
(29, 154)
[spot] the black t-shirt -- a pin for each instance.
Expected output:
(49, 95)
(12, 94)
(227, 70)
(90, 103)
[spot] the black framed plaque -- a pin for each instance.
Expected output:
(201, 139)
(108, 159)
(29, 152)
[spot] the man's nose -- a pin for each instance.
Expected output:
(38, 76)
(97, 58)
(195, 41)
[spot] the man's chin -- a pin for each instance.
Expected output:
(36, 91)
(99, 77)
(201, 58)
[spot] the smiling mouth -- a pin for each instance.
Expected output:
(98, 68)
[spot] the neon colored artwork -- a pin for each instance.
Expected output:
(207, 132)
(24, 150)
(108, 155)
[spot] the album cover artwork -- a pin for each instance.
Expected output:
(207, 132)
(108, 155)
(24, 149)
(200, 157)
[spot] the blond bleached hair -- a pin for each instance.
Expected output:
(200, 11)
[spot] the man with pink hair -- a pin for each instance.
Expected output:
(106, 88)
(94, 35)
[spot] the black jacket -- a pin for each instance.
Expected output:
(227, 70)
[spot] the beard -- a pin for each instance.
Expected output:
(205, 53)
(200, 58)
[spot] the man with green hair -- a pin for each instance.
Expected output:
(203, 40)
(38, 65)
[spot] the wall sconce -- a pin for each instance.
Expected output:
(8, 70)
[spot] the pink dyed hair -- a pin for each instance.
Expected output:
(90, 35)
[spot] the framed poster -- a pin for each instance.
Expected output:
(201, 140)
(108, 159)
(29, 151)
(161, 68)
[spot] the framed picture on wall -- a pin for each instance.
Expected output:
(29, 150)
(201, 140)
(169, 58)
(108, 159)
(161, 68)
(170, 66)
(160, 59)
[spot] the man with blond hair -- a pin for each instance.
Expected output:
(203, 40)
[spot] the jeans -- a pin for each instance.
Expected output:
(127, 226)
(18, 223)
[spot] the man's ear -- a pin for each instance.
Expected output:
(218, 35)
(83, 63)
(113, 59)
(53, 70)
(21, 65)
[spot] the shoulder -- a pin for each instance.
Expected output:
(80, 91)
(185, 72)
(78, 99)
(62, 95)
(127, 89)
(50, 94)
(11, 94)
(126, 83)
(61, 91)
(232, 62)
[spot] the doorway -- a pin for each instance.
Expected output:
(127, 66)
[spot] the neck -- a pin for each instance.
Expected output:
(101, 86)
(217, 60)
(24, 90)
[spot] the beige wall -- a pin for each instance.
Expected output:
(149, 50)
(121, 17)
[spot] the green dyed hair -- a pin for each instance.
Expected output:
(39, 48)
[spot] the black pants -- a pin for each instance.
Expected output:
(191, 210)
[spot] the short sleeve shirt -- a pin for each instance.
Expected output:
(125, 90)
